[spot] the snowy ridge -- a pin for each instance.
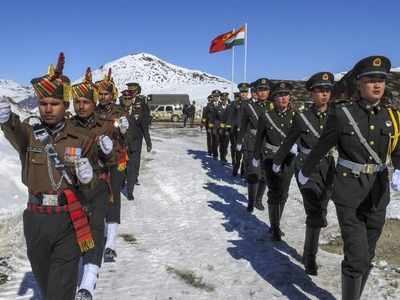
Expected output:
(14, 90)
(157, 76)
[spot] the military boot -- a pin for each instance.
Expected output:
(262, 185)
(310, 250)
(252, 191)
(364, 280)
(351, 287)
(273, 211)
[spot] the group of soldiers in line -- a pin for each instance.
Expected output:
(277, 141)
(75, 168)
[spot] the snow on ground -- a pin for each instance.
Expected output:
(190, 214)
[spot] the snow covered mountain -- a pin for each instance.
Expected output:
(15, 90)
(157, 76)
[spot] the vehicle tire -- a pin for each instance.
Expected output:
(175, 118)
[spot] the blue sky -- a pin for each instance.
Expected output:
(287, 39)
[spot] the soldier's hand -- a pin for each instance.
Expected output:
(239, 147)
(123, 125)
(106, 144)
(396, 181)
(84, 170)
(302, 179)
(149, 147)
(294, 149)
(5, 110)
(276, 168)
(255, 163)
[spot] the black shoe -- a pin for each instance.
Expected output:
(280, 231)
(137, 182)
(130, 197)
(310, 265)
(259, 205)
(310, 250)
(351, 287)
(109, 255)
(83, 294)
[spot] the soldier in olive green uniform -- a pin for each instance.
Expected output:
(107, 110)
(135, 111)
(273, 127)
(306, 130)
(54, 169)
(223, 131)
(365, 131)
(85, 97)
(205, 123)
(252, 110)
(234, 119)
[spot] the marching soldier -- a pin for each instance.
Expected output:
(55, 169)
(108, 110)
(273, 127)
(205, 123)
(139, 112)
(223, 131)
(253, 91)
(234, 122)
(251, 112)
(138, 128)
(365, 131)
(85, 96)
(305, 131)
(210, 117)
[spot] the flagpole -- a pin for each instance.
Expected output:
(245, 52)
(233, 67)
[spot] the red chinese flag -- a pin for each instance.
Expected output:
(218, 44)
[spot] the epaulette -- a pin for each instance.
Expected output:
(342, 102)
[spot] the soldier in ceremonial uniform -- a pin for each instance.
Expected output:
(365, 131)
(108, 110)
(223, 131)
(210, 117)
(252, 110)
(55, 170)
(205, 123)
(139, 112)
(272, 129)
(305, 131)
(85, 96)
(234, 119)
(133, 106)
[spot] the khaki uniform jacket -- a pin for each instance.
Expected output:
(70, 143)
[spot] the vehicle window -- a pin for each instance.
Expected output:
(161, 108)
(169, 108)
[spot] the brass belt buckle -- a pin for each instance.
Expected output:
(50, 200)
(369, 169)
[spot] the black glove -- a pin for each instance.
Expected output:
(149, 148)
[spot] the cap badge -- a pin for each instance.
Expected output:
(325, 77)
(388, 124)
(377, 62)
(282, 85)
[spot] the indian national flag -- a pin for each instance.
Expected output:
(237, 38)
(227, 40)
